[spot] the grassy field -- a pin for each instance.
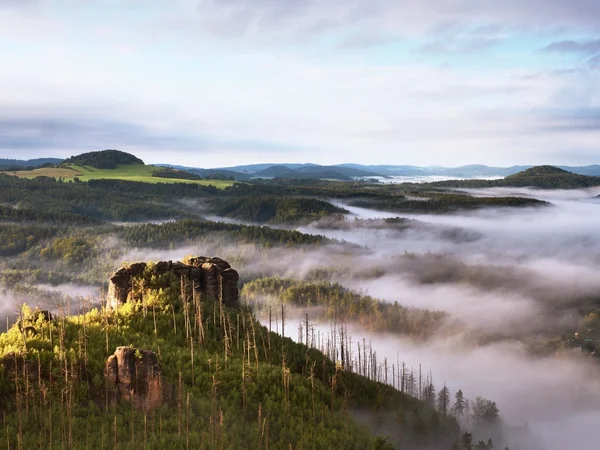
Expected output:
(54, 172)
(129, 172)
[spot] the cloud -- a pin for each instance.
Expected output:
(366, 39)
(17, 3)
(72, 134)
(251, 18)
(569, 46)
(60, 132)
(582, 119)
(594, 62)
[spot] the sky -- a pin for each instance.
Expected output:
(212, 83)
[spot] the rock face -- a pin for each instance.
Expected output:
(211, 277)
(135, 376)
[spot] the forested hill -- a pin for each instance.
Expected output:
(207, 376)
(105, 159)
(542, 177)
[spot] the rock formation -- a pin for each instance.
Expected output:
(135, 376)
(211, 277)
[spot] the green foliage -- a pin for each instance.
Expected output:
(71, 250)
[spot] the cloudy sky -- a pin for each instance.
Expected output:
(223, 82)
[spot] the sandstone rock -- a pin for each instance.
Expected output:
(210, 283)
(211, 277)
(135, 376)
(229, 291)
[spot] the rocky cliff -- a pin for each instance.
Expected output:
(209, 277)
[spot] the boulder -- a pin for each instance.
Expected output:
(135, 376)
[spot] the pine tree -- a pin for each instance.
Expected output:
(429, 394)
(443, 400)
(458, 409)
(485, 410)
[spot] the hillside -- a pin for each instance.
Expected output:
(184, 371)
(105, 159)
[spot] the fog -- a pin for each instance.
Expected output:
(425, 179)
(509, 277)
(557, 398)
(525, 274)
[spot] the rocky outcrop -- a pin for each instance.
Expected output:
(211, 277)
(135, 376)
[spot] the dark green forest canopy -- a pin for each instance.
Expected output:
(105, 159)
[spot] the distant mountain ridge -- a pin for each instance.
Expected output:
(37, 162)
(345, 172)
(350, 171)
(288, 171)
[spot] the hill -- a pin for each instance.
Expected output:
(541, 177)
(105, 159)
(549, 177)
(276, 172)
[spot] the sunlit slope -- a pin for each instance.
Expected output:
(129, 172)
